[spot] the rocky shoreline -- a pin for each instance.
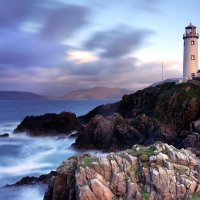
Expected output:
(31, 180)
(167, 113)
(156, 172)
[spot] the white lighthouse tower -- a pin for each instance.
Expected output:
(190, 57)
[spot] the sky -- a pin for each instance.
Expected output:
(51, 47)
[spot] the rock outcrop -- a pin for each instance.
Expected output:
(31, 180)
(49, 124)
(167, 112)
(156, 172)
(4, 135)
(115, 132)
(177, 105)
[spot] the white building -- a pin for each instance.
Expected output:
(190, 57)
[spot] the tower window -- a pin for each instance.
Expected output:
(192, 57)
(192, 74)
(192, 42)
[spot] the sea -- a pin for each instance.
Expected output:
(21, 155)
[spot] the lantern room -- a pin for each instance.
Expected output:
(190, 31)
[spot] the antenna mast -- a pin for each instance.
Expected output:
(162, 71)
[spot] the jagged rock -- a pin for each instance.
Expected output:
(4, 135)
(171, 114)
(100, 190)
(105, 133)
(115, 132)
(168, 174)
(167, 113)
(30, 180)
(49, 124)
(192, 142)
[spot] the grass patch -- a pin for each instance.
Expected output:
(195, 196)
(182, 171)
(179, 94)
(127, 177)
(122, 154)
(138, 150)
(109, 157)
(145, 194)
(136, 172)
(132, 168)
(88, 160)
(146, 165)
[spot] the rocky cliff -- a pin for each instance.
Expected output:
(167, 112)
(169, 103)
(115, 132)
(157, 172)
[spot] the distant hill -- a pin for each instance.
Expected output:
(15, 95)
(95, 93)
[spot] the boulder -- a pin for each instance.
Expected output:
(30, 180)
(49, 124)
(4, 135)
(192, 142)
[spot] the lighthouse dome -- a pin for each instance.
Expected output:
(190, 26)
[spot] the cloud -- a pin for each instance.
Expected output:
(126, 72)
(53, 19)
(32, 31)
(118, 42)
(81, 57)
(64, 21)
(151, 6)
(26, 50)
(13, 12)
(33, 58)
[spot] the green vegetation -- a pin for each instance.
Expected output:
(182, 171)
(146, 165)
(158, 142)
(132, 168)
(122, 154)
(127, 177)
(71, 168)
(174, 95)
(109, 157)
(195, 196)
(88, 160)
(138, 150)
(137, 174)
(145, 194)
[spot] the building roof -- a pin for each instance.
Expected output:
(190, 26)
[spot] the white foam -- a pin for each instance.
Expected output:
(35, 192)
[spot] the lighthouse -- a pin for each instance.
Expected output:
(190, 57)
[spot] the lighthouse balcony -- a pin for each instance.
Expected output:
(190, 35)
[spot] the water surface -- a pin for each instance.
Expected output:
(22, 156)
